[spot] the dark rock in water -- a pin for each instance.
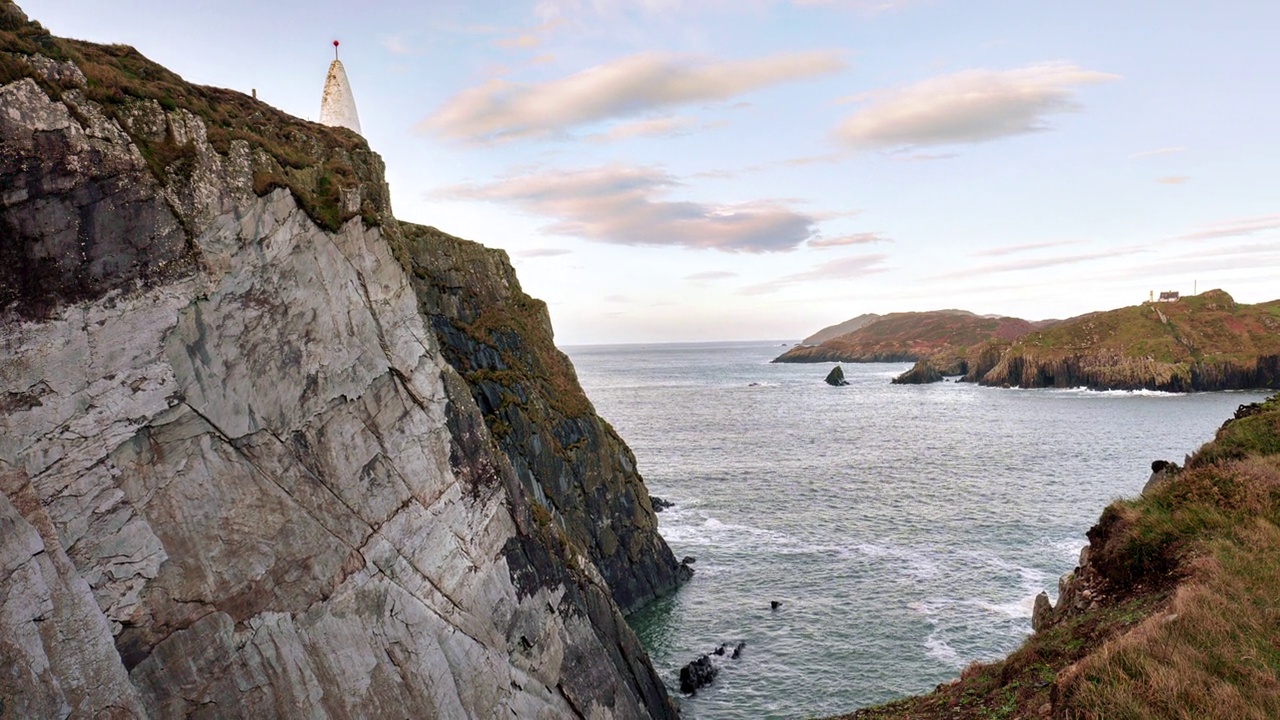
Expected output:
(754, 384)
(696, 674)
(921, 373)
(659, 504)
(774, 604)
(737, 650)
(720, 650)
(836, 377)
(688, 560)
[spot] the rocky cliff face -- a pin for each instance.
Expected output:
(500, 340)
(239, 478)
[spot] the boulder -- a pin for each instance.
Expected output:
(921, 373)
(697, 674)
(1042, 612)
(836, 377)
(1161, 472)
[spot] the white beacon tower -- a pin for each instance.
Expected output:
(338, 106)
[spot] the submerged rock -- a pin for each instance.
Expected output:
(836, 377)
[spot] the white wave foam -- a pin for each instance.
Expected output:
(939, 650)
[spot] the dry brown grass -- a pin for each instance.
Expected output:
(1214, 653)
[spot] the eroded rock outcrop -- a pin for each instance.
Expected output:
(500, 340)
(239, 478)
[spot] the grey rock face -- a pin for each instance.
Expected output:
(569, 459)
(238, 477)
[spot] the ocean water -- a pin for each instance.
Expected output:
(905, 529)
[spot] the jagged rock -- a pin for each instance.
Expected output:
(775, 604)
(697, 674)
(836, 377)
(737, 649)
(660, 504)
(571, 461)
(1161, 472)
(237, 472)
(921, 373)
(1042, 612)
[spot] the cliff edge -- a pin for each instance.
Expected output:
(238, 476)
(1170, 612)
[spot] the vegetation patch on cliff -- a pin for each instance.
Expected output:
(1173, 613)
(316, 163)
(911, 336)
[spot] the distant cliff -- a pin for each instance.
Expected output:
(1203, 342)
(834, 331)
(909, 336)
(1171, 612)
(238, 476)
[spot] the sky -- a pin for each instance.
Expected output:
(681, 170)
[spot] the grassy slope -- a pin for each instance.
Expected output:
(1206, 328)
(1183, 622)
(911, 336)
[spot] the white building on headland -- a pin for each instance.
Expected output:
(338, 106)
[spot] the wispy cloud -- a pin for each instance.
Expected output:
(1234, 228)
(1025, 247)
(1173, 180)
(626, 205)
(398, 45)
(543, 252)
(1036, 263)
(968, 107)
(864, 238)
(655, 127)
(845, 268)
(1157, 151)
(627, 87)
(712, 275)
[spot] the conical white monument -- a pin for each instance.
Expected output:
(338, 106)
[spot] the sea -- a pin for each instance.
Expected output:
(903, 530)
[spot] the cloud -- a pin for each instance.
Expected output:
(523, 41)
(398, 45)
(1234, 228)
(712, 275)
(854, 239)
(656, 127)
(1173, 180)
(617, 298)
(627, 87)
(543, 252)
(1025, 247)
(1158, 151)
(968, 107)
(845, 268)
(624, 205)
(1036, 263)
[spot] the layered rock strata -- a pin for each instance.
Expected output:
(239, 478)
(568, 458)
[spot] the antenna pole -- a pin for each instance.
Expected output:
(335, 49)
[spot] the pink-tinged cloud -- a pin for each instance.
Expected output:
(1157, 152)
(712, 275)
(845, 268)
(625, 88)
(968, 107)
(1235, 228)
(854, 239)
(543, 252)
(626, 205)
(655, 127)
(1173, 180)
(1024, 247)
(1036, 263)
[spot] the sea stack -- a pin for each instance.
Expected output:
(338, 106)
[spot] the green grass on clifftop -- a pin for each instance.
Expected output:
(314, 162)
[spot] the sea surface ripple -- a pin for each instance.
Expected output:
(905, 529)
